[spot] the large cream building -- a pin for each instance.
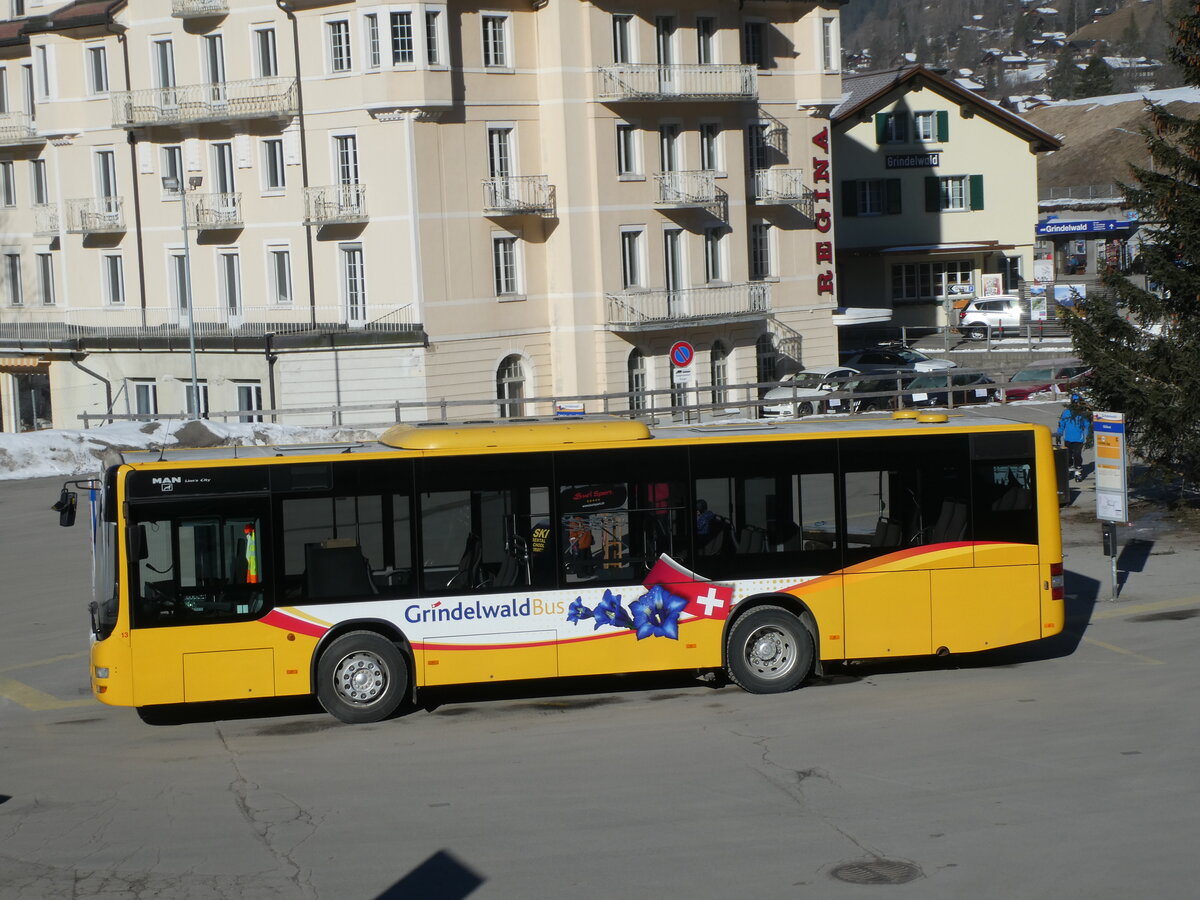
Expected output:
(405, 203)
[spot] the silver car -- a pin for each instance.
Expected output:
(805, 393)
(994, 312)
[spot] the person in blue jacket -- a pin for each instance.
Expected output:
(1075, 430)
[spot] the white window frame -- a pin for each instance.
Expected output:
(95, 57)
(353, 296)
(3, 89)
(337, 142)
(39, 184)
(670, 147)
(831, 45)
(8, 184)
(402, 48)
(274, 166)
(761, 60)
(254, 389)
(624, 38)
(112, 276)
(280, 292)
(955, 193)
(716, 259)
(202, 385)
(501, 149)
(45, 75)
(339, 53)
(633, 257)
(13, 276)
(229, 282)
(178, 281)
(162, 61)
(761, 252)
(508, 273)
(433, 31)
(895, 130)
(495, 35)
(924, 127)
(266, 50)
(712, 146)
(708, 43)
(170, 161)
(629, 152)
(144, 388)
(871, 196)
(44, 260)
(372, 43)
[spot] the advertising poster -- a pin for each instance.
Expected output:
(993, 284)
(1038, 307)
(1043, 271)
(1067, 294)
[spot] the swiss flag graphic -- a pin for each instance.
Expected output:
(705, 599)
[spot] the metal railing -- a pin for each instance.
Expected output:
(781, 186)
(194, 9)
(220, 101)
(45, 219)
(529, 194)
(664, 308)
(18, 128)
(336, 204)
(42, 326)
(1080, 192)
(693, 188)
(629, 81)
(95, 215)
(212, 212)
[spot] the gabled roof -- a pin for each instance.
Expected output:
(870, 91)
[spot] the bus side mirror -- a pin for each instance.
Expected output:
(67, 503)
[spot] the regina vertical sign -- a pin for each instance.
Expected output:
(822, 216)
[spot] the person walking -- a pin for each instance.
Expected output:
(1075, 430)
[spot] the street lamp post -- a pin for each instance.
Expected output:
(176, 185)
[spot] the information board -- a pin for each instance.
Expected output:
(1112, 488)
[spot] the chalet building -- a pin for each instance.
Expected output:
(365, 203)
(936, 189)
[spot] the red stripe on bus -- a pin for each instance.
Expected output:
(279, 619)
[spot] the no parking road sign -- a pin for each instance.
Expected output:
(682, 354)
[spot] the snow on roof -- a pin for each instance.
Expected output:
(1170, 95)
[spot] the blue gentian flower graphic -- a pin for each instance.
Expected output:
(611, 612)
(656, 613)
(578, 611)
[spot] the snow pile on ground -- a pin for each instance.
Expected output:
(43, 454)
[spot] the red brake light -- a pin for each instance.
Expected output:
(1056, 581)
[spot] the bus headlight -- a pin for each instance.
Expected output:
(101, 671)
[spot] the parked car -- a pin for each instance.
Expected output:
(1054, 375)
(862, 399)
(976, 317)
(804, 393)
(892, 359)
(932, 389)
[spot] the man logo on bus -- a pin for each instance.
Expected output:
(167, 482)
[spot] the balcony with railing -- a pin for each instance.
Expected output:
(17, 128)
(38, 327)
(220, 101)
(213, 212)
(198, 9)
(629, 81)
(781, 186)
(95, 215)
(683, 189)
(517, 195)
(335, 204)
(664, 309)
(45, 219)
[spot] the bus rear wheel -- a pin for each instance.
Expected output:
(361, 677)
(769, 651)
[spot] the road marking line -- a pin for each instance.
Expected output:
(1119, 610)
(44, 662)
(35, 700)
(1114, 649)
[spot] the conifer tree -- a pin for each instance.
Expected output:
(1096, 79)
(1144, 342)
(1065, 75)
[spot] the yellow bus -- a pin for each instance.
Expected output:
(455, 554)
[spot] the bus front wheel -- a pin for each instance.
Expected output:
(769, 651)
(361, 677)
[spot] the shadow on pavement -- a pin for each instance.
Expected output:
(1132, 559)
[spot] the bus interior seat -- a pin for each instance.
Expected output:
(467, 573)
(888, 533)
(339, 570)
(951, 524)
(752, 540)
(239, 561)
(1014, 498)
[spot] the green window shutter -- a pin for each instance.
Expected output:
(849, 198)
(943, 126)
(881, 121)
(933, 194)
(976, 191)
(893, 196)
